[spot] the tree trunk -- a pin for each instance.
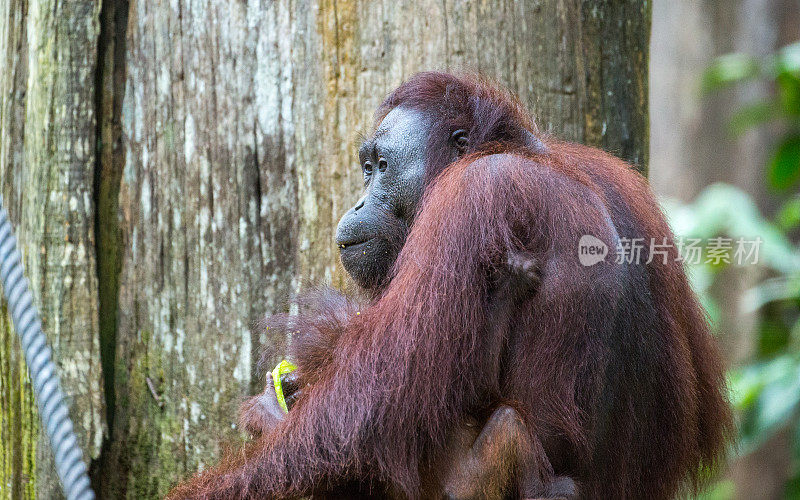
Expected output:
(225, 140)
(47, 157)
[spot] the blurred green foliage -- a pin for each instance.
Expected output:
(782, 108)
(766, 391)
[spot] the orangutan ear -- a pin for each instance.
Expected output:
(534, 143)
(459, 140)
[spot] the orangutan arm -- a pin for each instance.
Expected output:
(498, 461)
(519, 278)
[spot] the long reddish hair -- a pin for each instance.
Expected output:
(612, 365)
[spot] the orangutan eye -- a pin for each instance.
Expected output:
(382, 165)
(367, 168)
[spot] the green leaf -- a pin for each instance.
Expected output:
(773, 332)
(788, 216)
(789, 93)
(721, 490)
(722, 209)
(788, 59)
(779, 288)
(778, 403)
(784, 169)
(792, 491)
(767, 395)
(752, 115)
(745, 386)
(727, 70)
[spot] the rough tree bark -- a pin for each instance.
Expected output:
(225, 135)
(47, 156)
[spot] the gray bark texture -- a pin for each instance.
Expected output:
(176, 170)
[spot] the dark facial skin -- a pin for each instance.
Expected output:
(371, 233)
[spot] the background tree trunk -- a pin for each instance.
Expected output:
(47, 158)
(225, 138)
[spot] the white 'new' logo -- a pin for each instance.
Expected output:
(591, 250)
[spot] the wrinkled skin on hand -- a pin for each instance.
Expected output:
(260, 413)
